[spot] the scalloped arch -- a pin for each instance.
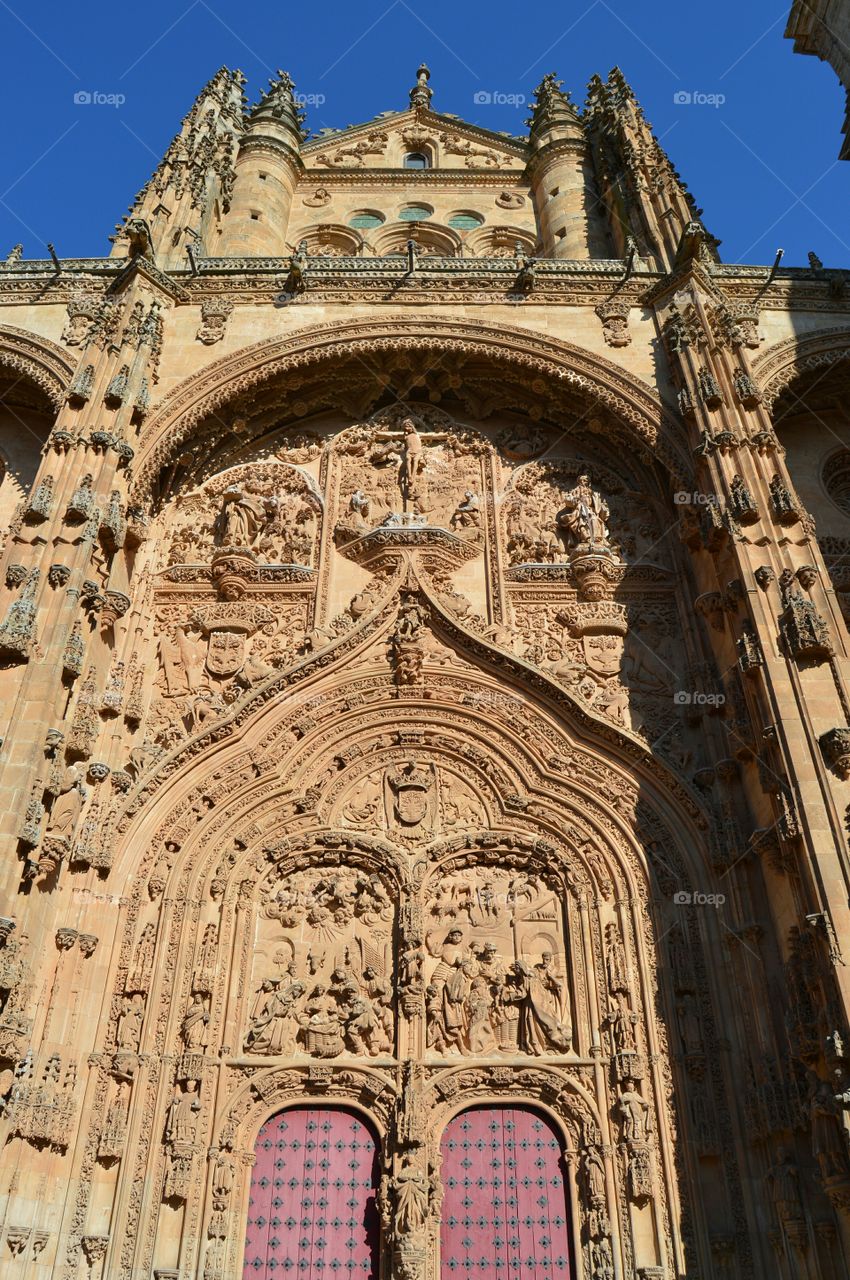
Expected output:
(202, 394)
(38, 359)
(776, 368)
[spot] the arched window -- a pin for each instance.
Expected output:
(505, 1212)
(416, 160)
(312, 1212)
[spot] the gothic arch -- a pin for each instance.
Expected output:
(779, 366)
(37, 359)
(554, 361)
(224, 831)
(253, 718)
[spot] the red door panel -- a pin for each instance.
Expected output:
(312, 1214)
(505, 1208)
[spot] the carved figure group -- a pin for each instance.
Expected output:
(351, 1012)
(269, 512)
(477, 1005)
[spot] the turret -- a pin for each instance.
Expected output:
(267, 170)
(645, 198)
(185, 199)
(559, 172)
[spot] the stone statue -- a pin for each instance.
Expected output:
(411, 1197)
(583, 518)
(784, 1179)
(242, 518)
(467, 514)
(195, 1027)
(594, 1174)
(689, 1025)
(68, 805)
(128, 1032)
(412, 462)
(223, 1176)
(183, 1115)
(635, 1112)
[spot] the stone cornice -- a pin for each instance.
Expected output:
(445, 280)
(427, 179)
(268, 144)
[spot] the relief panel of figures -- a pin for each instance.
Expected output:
(322, 970)
(426, 468)
(268, 508)
(495, 966)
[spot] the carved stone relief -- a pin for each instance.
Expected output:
(411, 462)
(323, 967)
(496, 974)
(271, 511)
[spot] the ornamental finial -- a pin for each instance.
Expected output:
(420, 94)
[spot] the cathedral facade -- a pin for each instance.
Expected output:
(425, 718)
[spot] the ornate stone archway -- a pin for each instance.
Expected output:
(254, 845)
(36, 359)
(545, 362)
(779, 366)
(408, 849)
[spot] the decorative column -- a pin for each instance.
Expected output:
(755, 550)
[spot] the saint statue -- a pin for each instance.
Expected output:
(583, 518)
(65, 813)
(196, 1023)
(241, 519)
(411, 1189)
(183, 1116)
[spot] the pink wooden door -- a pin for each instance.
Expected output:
(312, 1213)
(505, 1207)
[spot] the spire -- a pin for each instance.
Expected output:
(279, 103)
(196, 169)
(420, 94)
(644, 194)
(553, 114)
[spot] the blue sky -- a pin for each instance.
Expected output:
(762, 162)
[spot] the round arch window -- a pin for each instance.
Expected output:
(836, 479)
(365, 219)
(465, 221)
(416, 160)
(415, 213)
